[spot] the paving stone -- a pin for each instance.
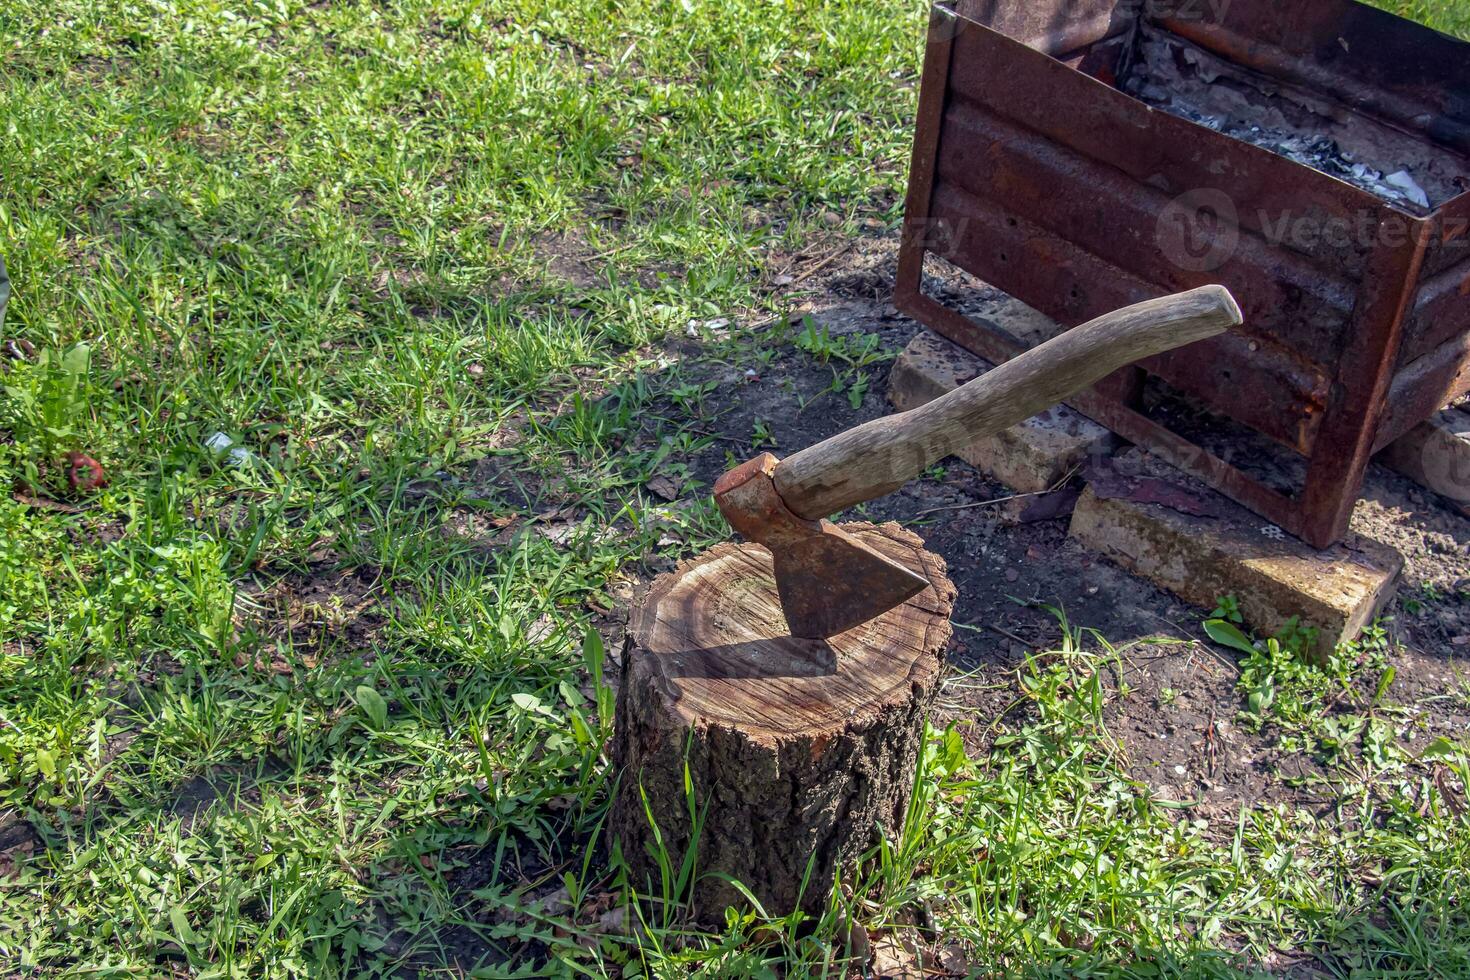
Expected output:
(1436, 455)
(1193, 542)
(1029, 457)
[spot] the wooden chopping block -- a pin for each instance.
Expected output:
(799, 752)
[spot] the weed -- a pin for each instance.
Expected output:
(761, 436)
(46, 409)
(857, 350)
(691, 398)
(1287, 684)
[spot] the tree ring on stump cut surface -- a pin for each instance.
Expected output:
(798, 750)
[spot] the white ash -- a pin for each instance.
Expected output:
(1186, 82)
(1318, 152)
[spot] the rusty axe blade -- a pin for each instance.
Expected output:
(829, 581)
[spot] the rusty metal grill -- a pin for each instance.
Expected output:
(1040, 168)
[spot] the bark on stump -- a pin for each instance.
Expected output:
(800, 752)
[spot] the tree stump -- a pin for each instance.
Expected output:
(800, 752)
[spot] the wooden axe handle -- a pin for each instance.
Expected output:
(877, 458)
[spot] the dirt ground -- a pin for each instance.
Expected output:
(1179, 723)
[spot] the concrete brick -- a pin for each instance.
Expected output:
(1029, 457)
(1193, 542)
(1436, 455)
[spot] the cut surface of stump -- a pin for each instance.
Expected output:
(800, 752)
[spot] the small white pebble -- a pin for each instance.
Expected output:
(1180, 770)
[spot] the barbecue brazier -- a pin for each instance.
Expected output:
(1083, 155)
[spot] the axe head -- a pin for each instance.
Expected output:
(828, 581)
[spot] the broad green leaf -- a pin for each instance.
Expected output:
(75, 361)
(593, 655)
(1444, 749)
(1383, 683)
(182, 929)
(372, 705)
(1229, 635)
(580, 731)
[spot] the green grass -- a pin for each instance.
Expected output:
(1450, 16)
(327, 231)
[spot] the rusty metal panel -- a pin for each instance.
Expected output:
(1286, 294)
(919, 228)
(1258, 381)
(1308, 243)
(1424, 387)
(1441, 313)
(1443, 309)
(1450, 246)
(1360, 391)
(1066, 108)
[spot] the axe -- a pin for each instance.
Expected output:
(827, 580)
